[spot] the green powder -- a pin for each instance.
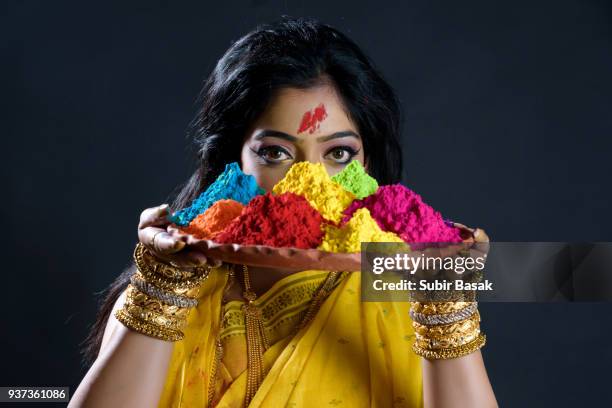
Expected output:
(355, 179)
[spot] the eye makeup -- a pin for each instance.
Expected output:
(332, 148)
(268, 154)
(347, 154)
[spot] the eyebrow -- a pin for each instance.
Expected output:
(275, 133)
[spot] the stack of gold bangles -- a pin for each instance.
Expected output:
(446, 330)
(160, 296)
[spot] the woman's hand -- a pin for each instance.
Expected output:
(463, 381)
(153, 233)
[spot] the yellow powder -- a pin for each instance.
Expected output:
(360, 228)
(312, 181)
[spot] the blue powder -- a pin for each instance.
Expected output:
(232, 184)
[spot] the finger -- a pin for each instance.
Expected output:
(215, 262)
(155, 216)
(184, 259)
(480, 235)
(201, 258)
(198, 258)
(158, 240)
(177, 233)
(462, 226)
(191, 239)
(166, 244)
(482, 243)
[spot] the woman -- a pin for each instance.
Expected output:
(323, 346)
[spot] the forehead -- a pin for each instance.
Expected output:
(288, 107)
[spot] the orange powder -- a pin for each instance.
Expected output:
(214, 220)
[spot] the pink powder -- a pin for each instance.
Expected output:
(398, 209)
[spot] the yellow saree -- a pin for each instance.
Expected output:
(350, 354)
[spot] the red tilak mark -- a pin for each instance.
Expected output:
(312, 119)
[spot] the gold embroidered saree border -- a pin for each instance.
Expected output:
(281, 306)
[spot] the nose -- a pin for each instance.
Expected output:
(314, 159)
(309, 156)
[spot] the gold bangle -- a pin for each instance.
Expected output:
(148, 329)
(151, 317)
(436, 308)
(150, 262)
(463, 326)
(193, 292)
(160, 267)
(165, 296)
(141, 299)
(157, 319)
(448, 342)
(448, 353)
(164, 276)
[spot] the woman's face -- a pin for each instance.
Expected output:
(300, 125)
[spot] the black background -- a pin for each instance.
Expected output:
(507, 127)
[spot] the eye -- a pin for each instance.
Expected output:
(342, 154)
(273, 154)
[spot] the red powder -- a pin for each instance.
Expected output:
(214, 220)
(398, 209)
(284, 220)
(312, 119)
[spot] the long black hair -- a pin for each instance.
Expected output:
(289, 53)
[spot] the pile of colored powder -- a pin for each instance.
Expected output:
(214, 220)
(312, 181)
(232, 184)
(285, 220)
(355, 179)
(360, 228)
(398, 209)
